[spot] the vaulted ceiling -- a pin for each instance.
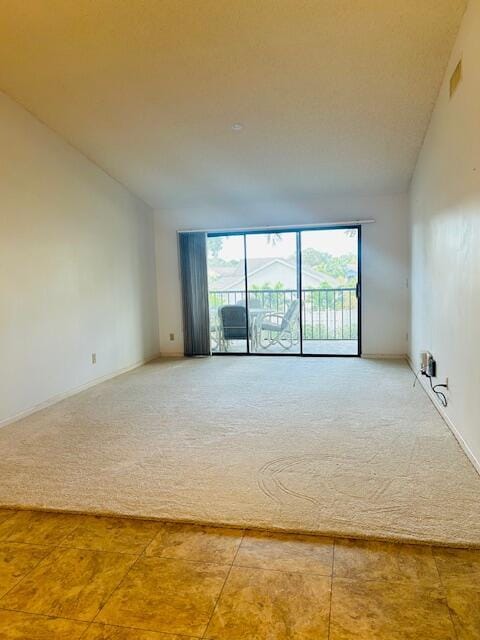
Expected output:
(334, 95)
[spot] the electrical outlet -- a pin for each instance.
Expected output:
(428, 364)
(424, 361)
(172, 337)
(94, 358)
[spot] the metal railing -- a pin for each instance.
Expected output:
(327, 314)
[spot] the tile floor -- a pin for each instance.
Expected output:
(73, 576)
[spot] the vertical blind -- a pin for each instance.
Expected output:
(194, 277)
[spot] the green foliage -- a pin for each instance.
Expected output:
(279, 286)
(271, 297)
(216, 299)
(343, 268)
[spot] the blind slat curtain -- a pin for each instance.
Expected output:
(194, 277)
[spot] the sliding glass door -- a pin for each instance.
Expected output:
(285, 292)
(227, 293)
(330, 289)
(273, 287)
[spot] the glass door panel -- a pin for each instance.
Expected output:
(330, 310)
(273, 293)
(227, 293)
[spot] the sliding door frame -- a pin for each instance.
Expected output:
(298, 232)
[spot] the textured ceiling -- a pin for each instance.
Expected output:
(335, 95)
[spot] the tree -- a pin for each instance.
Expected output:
(312, 257)
(215, 245)
(342, 268)
(274, 238)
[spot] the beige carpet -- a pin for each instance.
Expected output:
(342, 446)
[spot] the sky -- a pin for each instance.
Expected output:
(336, 242)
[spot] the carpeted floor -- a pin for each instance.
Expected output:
(334, 446)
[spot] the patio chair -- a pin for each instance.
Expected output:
(253, 303)
(281, 328)
(233, 324)
(214, 329)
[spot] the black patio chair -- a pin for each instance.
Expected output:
(233, 324)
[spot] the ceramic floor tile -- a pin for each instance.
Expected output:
(368, 610)
(271, 605)
(122, 535)
(463, 598)
(286, 552)
(196, 543)
(15, 625)
(37, 527)
(173, 596)
(69, 583)
(460, 574)
(458, 563)
(16, 560)
(6, 513)
(369, 560)
(107, 632)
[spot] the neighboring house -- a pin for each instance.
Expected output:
(267, 270)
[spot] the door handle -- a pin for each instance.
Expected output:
(357, 290)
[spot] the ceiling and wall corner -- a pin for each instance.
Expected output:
(334, 96)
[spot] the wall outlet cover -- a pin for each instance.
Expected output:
(424, 361)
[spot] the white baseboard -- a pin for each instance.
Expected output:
(385, 356)
(71, 392)
(459, 438)
(176, 354)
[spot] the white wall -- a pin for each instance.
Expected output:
(385, 259)
(77, 268)
(445, 222)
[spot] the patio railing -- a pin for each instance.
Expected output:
(327, 314)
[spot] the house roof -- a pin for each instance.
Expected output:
(233, 276)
